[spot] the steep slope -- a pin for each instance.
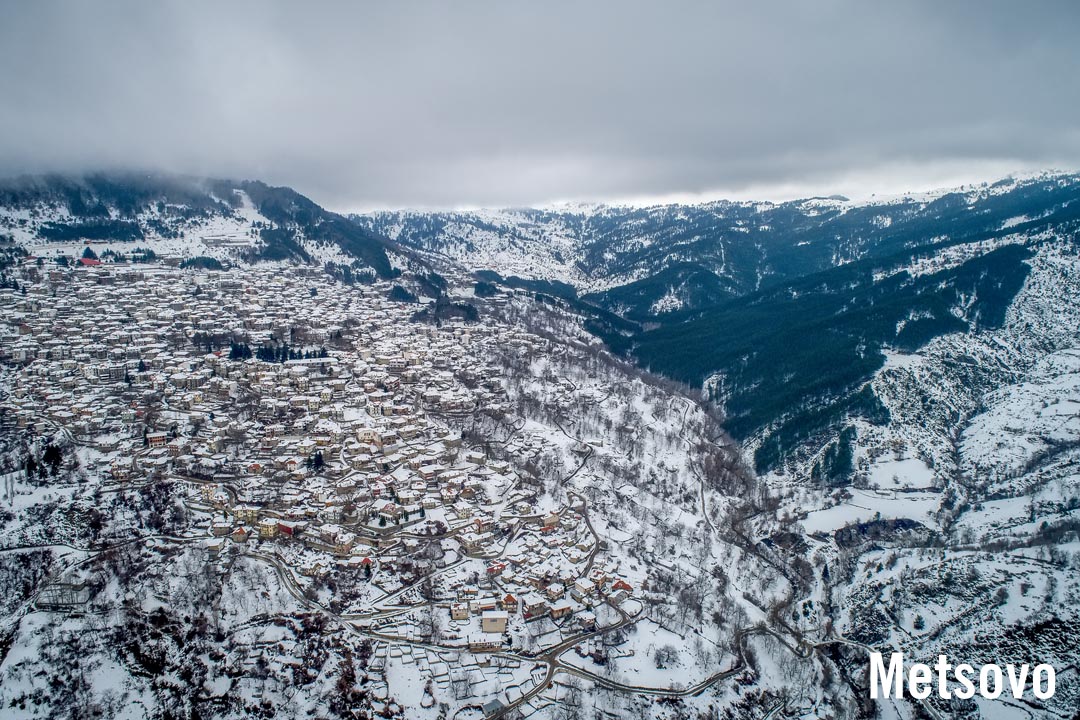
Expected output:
(957, 532)
(796, 358)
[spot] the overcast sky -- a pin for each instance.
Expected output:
(393, 104)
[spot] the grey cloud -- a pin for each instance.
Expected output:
(494, 103)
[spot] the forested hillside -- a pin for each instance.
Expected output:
(782, 312)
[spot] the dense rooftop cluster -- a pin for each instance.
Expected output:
(320, 430)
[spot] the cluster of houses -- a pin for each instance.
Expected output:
(340, 452)
(569, 607)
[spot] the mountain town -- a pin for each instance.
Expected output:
(379, 468)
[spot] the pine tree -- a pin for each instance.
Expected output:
(52, 458)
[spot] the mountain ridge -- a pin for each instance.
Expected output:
(239, 220)
(602, 249)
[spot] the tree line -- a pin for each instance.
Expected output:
(273, 353)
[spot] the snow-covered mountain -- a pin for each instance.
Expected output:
(767, 305)
(183, 217)
(647, 261)
(956, 531)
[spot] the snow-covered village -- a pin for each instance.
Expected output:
(269, 451)
(539, 361)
